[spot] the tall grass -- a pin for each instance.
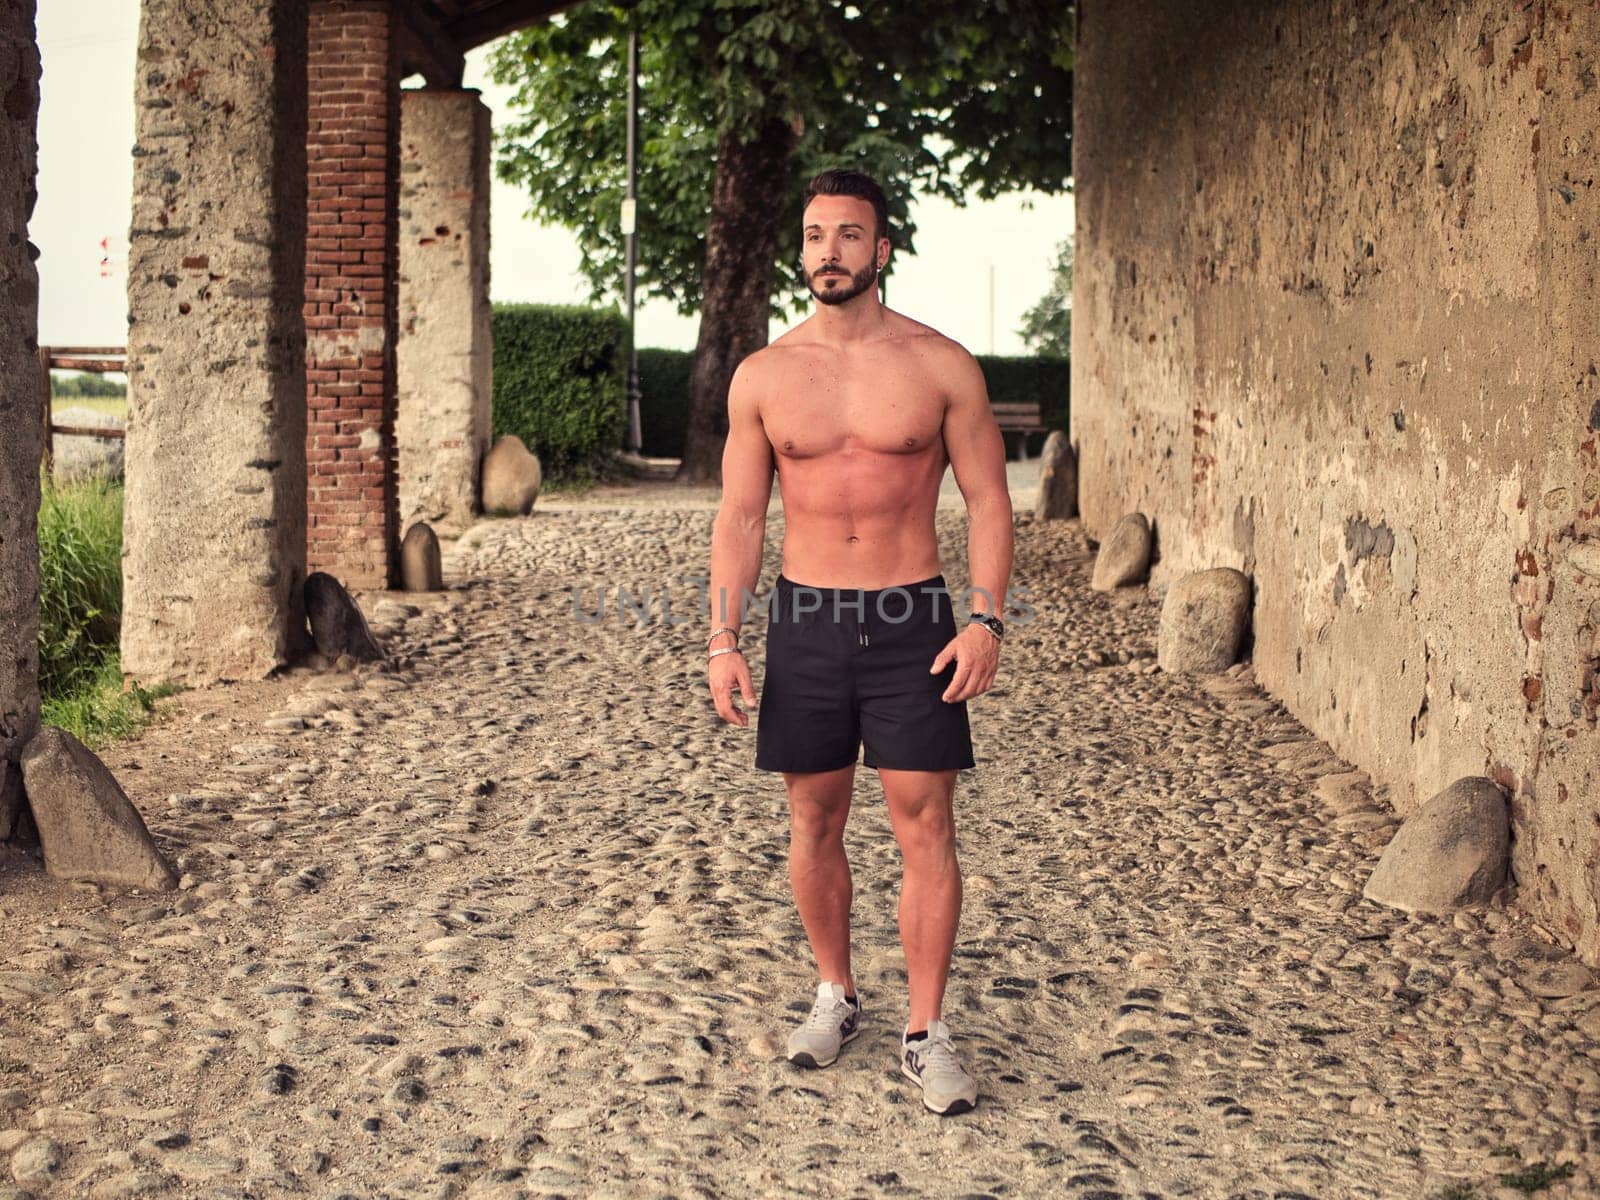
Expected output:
(102, 709)
(80, 614)
(80, 581)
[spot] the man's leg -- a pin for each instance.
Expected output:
(819, 804)
(930, 887)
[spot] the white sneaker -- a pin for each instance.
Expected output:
(833, 1022)
(931, 1064)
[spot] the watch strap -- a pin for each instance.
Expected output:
(990, 622)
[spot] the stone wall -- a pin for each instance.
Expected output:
(21, 429)
(1335, 325)
(353, 141)
(214, 524)
(444, 357)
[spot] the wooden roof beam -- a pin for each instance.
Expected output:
(487, 20)
(426, 49)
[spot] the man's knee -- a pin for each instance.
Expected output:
(816, 825)
(924, 820)
(932, 835)
(818, 811)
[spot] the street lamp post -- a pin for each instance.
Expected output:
(630, 222)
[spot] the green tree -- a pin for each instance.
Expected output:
(1047, 326)
(741, 101)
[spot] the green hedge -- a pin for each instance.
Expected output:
(664, 401)
(1047, 381)
(664, 383)
(85, 386)
(561, 383)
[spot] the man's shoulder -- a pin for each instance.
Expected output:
(771, 357)
(928, 342)
(943, 359)
(797, 343)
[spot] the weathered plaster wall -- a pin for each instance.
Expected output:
(1335, 326)
(444, 356)
(21, 432)
(214, 528)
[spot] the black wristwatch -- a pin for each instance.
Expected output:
(990, 622)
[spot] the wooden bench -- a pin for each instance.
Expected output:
(1019, 418)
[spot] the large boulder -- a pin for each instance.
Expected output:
(337, 625)
(1203, 622)
(80, 456)
(511, 477)
(1449, 854)
(1058, 480)
(1124, 556)
(421, 565)
(88, 828)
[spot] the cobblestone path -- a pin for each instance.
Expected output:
(514, 920)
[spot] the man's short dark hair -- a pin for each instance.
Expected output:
(842, 181)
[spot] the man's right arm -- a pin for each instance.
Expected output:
(736, 539)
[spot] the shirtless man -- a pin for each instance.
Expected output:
(859, 409)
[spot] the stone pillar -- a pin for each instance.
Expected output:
(1554, 775)
(21, 435)
(444, 355)
(214, 531)
(351, 281)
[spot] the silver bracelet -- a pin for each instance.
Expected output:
(719, 631)
(725, 650)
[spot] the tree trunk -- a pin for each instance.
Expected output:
(747, 196)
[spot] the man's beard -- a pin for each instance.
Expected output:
(859, 282)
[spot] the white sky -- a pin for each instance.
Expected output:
(86, 179)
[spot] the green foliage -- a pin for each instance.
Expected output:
(561, 384)
(939, 97)
(80, 613)
(1047, 326)
(80, 582)
(664, 382)
(84, 386)
(664, 401)
(99, 710)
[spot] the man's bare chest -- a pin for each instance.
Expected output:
(815, 415)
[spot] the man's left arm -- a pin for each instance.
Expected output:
(978, 457)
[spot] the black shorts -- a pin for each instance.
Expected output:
(846, 667)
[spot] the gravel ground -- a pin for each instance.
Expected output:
(511, 918)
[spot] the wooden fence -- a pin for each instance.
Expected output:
(96, 360)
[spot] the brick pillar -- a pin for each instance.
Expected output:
(351, 281)
(21, 432)
(214, 545)
(444, 355)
